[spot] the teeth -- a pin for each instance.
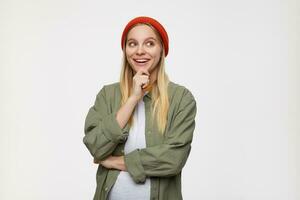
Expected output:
(141, 61)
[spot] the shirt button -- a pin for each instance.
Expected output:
(122, 151)
(106, 188)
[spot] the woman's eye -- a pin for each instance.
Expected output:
(151, 43)
(131, 44)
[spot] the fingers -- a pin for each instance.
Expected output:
(143, 71)
(144, 74)
(142, 80)
(146, 84)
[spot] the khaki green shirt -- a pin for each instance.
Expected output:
(164, 156)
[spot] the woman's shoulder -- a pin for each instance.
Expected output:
(108, 89)
(111, 86)
(180, 91)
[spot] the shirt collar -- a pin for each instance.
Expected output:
(148, 94)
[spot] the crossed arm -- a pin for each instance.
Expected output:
(103, 133)
(115, 162)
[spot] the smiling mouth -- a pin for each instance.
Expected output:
(141, 62)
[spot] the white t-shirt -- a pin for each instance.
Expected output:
(125, 188)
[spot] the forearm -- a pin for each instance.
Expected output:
(125, 111)
(113, 162)
(119, 163)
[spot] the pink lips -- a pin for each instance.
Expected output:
(141, 61)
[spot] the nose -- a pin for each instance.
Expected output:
(140, 50)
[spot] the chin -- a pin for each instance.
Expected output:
(136, 68)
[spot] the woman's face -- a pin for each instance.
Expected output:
(143, 48)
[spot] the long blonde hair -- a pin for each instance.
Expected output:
(159, 100)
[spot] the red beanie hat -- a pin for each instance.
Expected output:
(154, 23)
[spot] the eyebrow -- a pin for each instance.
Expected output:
(145, 39)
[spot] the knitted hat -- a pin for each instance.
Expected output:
(154, 23)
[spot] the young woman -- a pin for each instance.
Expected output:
(140, 129)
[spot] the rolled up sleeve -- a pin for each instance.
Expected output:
(102, 131)
(169, 158)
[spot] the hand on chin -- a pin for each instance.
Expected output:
(147, 88)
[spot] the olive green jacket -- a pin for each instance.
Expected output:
(164, 156)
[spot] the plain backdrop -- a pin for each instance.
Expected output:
(240, 59)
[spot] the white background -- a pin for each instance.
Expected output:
(240, 59)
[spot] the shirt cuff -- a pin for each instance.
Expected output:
(134, 166)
